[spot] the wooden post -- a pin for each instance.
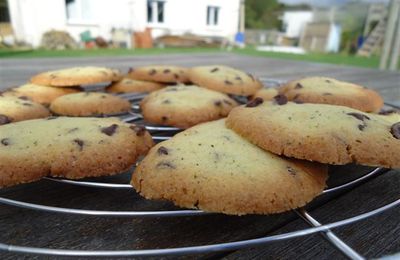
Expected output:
(396, 45)
(390, 28)
(242, 16)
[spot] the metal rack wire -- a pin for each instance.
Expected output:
(162, 133)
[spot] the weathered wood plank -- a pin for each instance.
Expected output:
(373, 237)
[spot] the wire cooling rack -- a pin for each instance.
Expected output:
(160, 133)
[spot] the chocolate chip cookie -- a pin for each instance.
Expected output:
(318, 132)
(185, 106)
(211, 168)
(225, 79)
(76, 76)
(68, 147)
(265, 94)
(40, 94)
(324, 90)
(89, 104)
(160, 73)
(127, 85)
(14, 109)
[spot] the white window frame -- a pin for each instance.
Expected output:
(154, 12)
(80, 17)
(212, 12)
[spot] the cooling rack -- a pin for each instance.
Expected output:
(161, 133)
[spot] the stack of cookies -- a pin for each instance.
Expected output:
(65, 146)
(271, 155)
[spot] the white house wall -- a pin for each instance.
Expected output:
(31, 18)
(295, 21)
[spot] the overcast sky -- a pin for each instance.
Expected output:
(328, 2)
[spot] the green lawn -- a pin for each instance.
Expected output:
(6, 53)
(341, 59)
(333, 58)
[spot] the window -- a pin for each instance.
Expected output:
(155, 11)
(212, 15)
(80, 11)
(4, 15)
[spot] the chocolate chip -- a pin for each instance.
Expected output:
(291, 170)
(27, 104)
(5, 141)
(103, 96)
(162, 150)
(227, 102)
(165, 165)
(387, 111)
(110, 130)
(23, 97)
(361, 127)
(214, 70)
(327, 94)
(171, 89)
(164, 118)
(131, 69)
(227, 82)
(255, 102)
(167, 101)
(328, 81)
(358, 116)
(80, 143)
(4, 119)
(152, 72)
(138, 129)
(281, 99)
(251, 76)
(73, 130)
(176, 76)
(105, 73)
(52, 117)
(238, 78)
(298, 86)
(218, 103)
(166, 71)
(395, 130)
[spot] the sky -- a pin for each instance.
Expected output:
(328, 2)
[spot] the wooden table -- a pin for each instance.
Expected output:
(373, 237)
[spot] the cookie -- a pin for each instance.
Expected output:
(89, 104)
(127, 85)
(76, 76)
(324, 90)
(185, 106)
(40, 94)
(160, 73)
(68, 147)
(225, 79)
(318, 132)
(265, 94)
(14, 109)
(212, 168)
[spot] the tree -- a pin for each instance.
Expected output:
(263, 14)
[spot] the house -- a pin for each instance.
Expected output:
(30, 19)
(293, 22)
(321, 37)
(313, 30)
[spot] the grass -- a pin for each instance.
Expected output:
(40, 53)
(332, 58)
(340, 59)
